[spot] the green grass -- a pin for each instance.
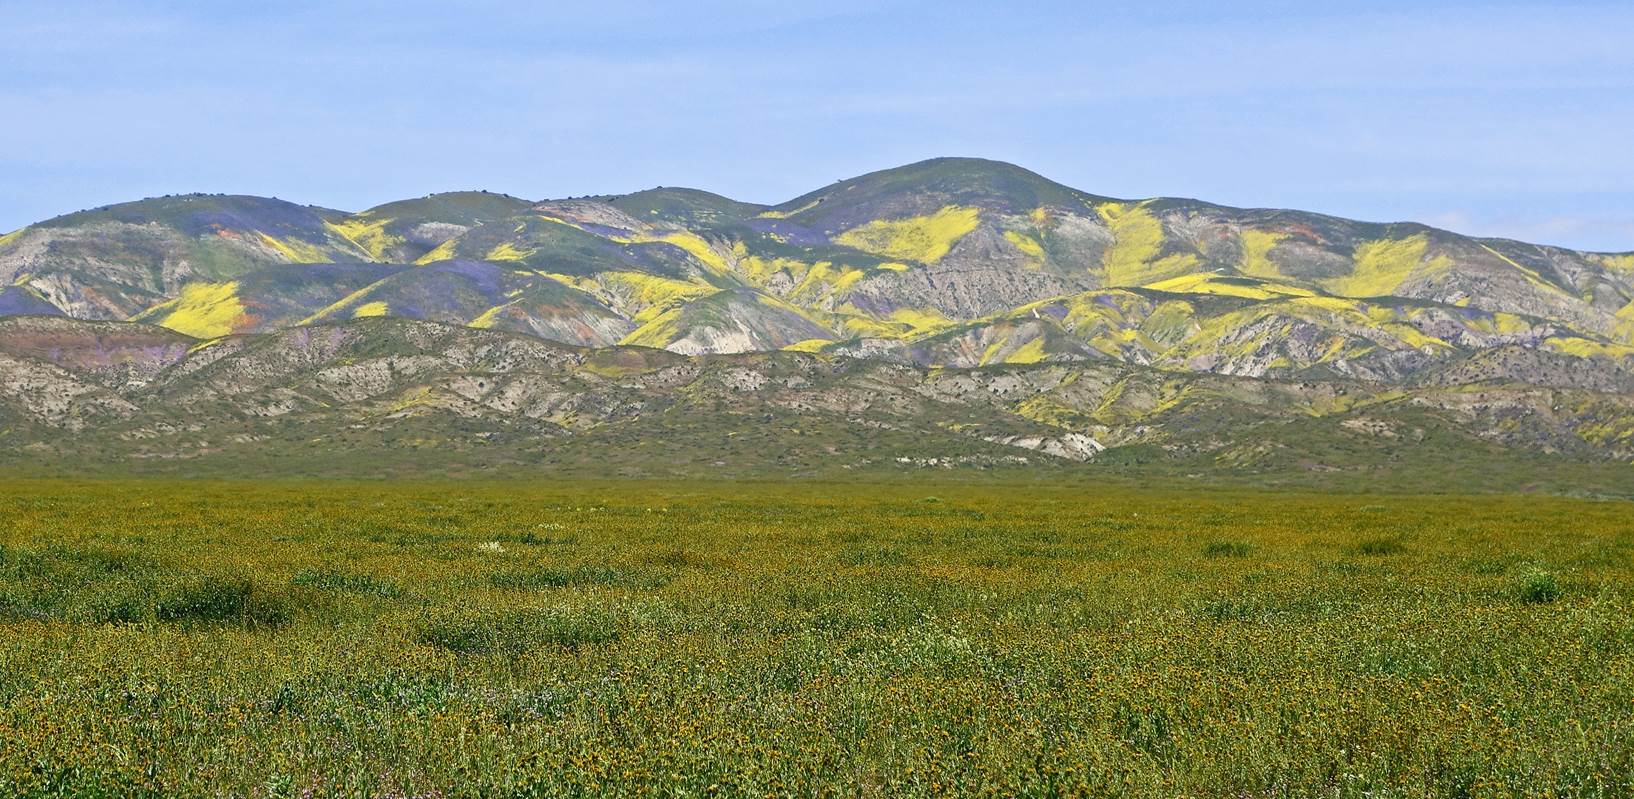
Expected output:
(176, 638)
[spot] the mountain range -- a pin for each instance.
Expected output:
(954, 311)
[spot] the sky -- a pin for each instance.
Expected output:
(1511, 119)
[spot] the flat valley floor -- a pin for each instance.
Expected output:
(176, 638)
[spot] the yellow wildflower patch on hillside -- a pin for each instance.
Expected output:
(1616, 263)
(1531, 275)
(368, 235)
(826, 279)
(486, 319)
(1208, 283)
(811, 345)
(776, 214)
(1625, 325)
(854, 324)
(1031, 352)
(371, 309)
(902, 324)
(652, 293)
(1028, 245)
(571, 281)
(1502, 323)
(693, 244)
(1334, 304)
(508, 251)
(1588, 348)
(446, 251)
(657, 333)
(922, 320)
(297, 251)
(341, 304)
(760, 269)
(1257, 246)
(1169, 320)
(204, 310)
(1383, 266)
(1133, 259)
(924, 239)
(1009, 348)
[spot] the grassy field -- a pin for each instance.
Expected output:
(230, 639)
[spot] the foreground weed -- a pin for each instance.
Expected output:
(1538, 587)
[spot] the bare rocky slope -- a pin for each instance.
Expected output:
(386, 395)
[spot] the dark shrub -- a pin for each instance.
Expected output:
(1379, 547)
(1227, 549)
(221, 600)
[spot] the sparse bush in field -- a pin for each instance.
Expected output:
(1538, 587)
(1227, 549)
(516, 632)
(345, 582)
(1380, 547)
(221, 599)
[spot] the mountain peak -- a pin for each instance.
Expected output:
(682, 206)
(193, 211)
(925, 186)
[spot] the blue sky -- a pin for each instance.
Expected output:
(1494, 118)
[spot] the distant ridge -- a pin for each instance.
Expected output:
(955, 262)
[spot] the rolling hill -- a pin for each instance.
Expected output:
(1163, 325)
